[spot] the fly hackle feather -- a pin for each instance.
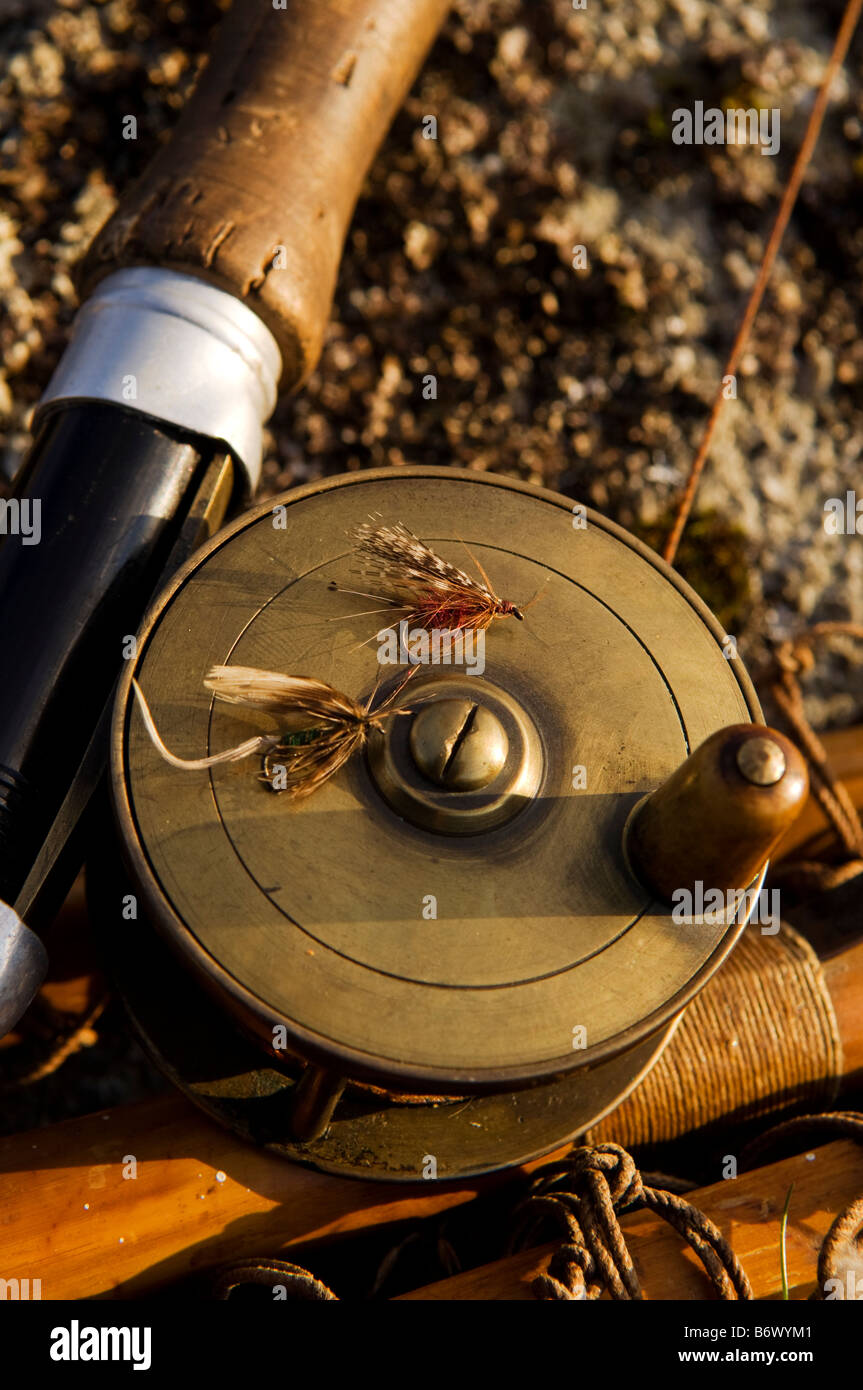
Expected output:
(433, 592)
(320, 728)
(299, 701)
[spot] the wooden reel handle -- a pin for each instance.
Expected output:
(256, 189)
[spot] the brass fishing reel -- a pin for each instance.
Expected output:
(443, 961)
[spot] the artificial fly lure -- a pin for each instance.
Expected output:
(432, 592)
(320, 727)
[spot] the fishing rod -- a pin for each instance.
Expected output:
(205, 295)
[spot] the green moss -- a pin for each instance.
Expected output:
(744, 98)
(657, 125)
(713, 558)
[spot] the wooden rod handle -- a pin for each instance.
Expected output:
(256, 188)
(843, 973)
(774, 1028)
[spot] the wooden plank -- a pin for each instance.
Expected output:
(201, 1196)
(747, 1210)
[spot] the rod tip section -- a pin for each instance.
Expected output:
(718, 817)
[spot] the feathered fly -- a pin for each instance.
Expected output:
(432, 592)
(321, 728)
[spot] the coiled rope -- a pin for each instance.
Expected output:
(583, 1195)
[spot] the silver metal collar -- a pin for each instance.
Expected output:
(23, 964)
(175, 348)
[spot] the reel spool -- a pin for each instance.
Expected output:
(435, 956)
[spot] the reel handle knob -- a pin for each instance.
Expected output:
(718, 817)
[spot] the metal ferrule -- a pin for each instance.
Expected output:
(177, 349)
(23, 963)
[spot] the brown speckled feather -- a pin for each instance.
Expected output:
(413, 577)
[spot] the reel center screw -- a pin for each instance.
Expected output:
(459, 744)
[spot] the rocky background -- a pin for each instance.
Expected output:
(554, 130)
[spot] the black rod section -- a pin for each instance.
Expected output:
(107, 491)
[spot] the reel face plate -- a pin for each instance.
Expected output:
(440, 962)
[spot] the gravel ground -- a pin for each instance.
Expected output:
(554, 130)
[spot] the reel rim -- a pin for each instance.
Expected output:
(243, 1003)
